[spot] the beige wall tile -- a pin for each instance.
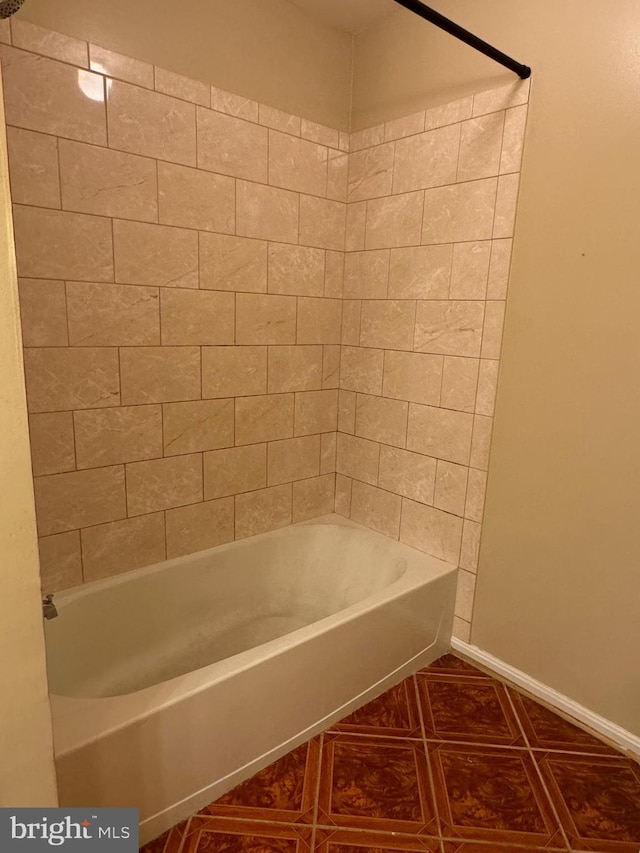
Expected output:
(395, 221)
(112, 315)
(62, 379)
(459, 383)
(5, 31)
(408, 474)
(267, 213)
(506, 203)
(151, 124)
(265, 319)
(319, 133)
(328, 453)
(155, 254)
(511, 95)
(33, 167)
(480, 147)
(279, 120)
(198, 425)
(449, 328)
(420, 272)
(481, 443)
(60, 561)
(367, 138)
(440, 433)
(476, 489)
(159, 374)
(361, 370)
(351, 315)
(499, 269)
(412, 376)
(376, 509)
(296, 164)
(334, 275)
(259, 512)
(122, 67)
(431, 530)
(319, 321)
(195, 199)
(313, 498)
(38, 40)
(450, 113)
(163, 483)
(296, 270)
(52, 443)
(112, 436)
(295, 368)
(371, 173)
(239, 469)
(487, 386)
(355, 226)
(347, 411)
(197, 317)
(231, 146)
(426, 160)
(178, 86)
(234, 371)
(513, 142)
(357, 458)
(293, 459)
(461, 629)
(48, 96)
(459, 213)
(338, 176)
(465, 595)
(470, 270)
(388, 324)
(451, 487)
(492, 332)
(316, 411)
(43, 312)
(470, 545)
(195, 528)
(233, 263)
(122, 546)
(79, 499)
(379, 419)
(53, 244)
(366, 275)
(406, 126)
(343, 496)
(331, 367)
(322, 223)
(266, 418)
(107, 183)
(234, 105)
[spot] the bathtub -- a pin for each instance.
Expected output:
(173, 683)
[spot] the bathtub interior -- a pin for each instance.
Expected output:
(146, 627)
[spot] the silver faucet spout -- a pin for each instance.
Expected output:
(49, 610)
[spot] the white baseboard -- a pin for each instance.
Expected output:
(616, 734)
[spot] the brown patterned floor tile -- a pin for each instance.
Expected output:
(467, 709)
(492, 847)
(378, 784)
(451, 665)
(361, 841)
(284, 791)
(394, 714)
(168, 842)
(597, 799)
(221, 835)
(492, 795)
(546, 730)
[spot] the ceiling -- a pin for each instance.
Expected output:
(352, 16)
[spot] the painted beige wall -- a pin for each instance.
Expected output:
(27, 776)
(267, 50)
(558, 579)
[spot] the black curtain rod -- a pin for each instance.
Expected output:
(459, 32)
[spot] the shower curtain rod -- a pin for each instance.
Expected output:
(459, 32)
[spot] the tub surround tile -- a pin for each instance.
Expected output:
(235, 105)
(63, 379)
(79, 499)
(366, 138)
(382, 420)
(191, 198)
(420, 272)
(279, 120)
(388, 324)
(465, 595)
(470, 548)
(513, 142)
(361, 369)
(60, 561)
(487, 386)
(159, 374)
(476, 487)
(459, 383)
(343, 495)
(200, 526)
(410, 475)
(234, 371)
(178, 86)
(451, 487)
(236, 470)
(441, 433)
(460, 212)
(493, 100)
(347, 412)
(121, 67)
(394, 221)
(112, 315)
(480, 147)
(264, 418)
(52, 443)
(47, 43)
(293, 459)
(319, 133)
(334, 275)
(376, 509)
(370, 173)
(405, 126)
(197, 317)
(43, 313)
(267, 213)
(331, 367)
(366, 275)
(196, 426)
(328, 443)
(427, 160)
(506, 202)
(351, 316)
(337, 176)
(431, 530)
(233, 263)
(296, 270)
(319, 321)
(109, 549)
(358, 458)
(499, 269)
(356, 222)
(155, 255)
(261, 511)
(231, 146)
(265, 319)
(316, 411)
(470, 270)
(33, 168)
(163, 484)
(414, 377)
(297, 164)
(113, 436)
(313, 497)
(295, 368)
(450, 113)
(450, 327)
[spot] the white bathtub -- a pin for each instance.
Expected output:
(173, 683)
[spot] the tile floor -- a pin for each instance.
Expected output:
(449, 761)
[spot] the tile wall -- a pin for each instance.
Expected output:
(200, 273)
